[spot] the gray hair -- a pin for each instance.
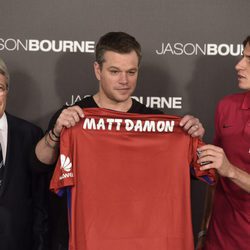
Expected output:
(4, 71)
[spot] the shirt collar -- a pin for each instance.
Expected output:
(3, 122)
(246, 101)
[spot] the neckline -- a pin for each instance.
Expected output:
(128, 111)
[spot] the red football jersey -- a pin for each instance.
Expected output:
(128, 181)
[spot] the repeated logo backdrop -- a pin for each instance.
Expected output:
(189, 51)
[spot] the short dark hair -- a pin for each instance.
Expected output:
(119, 42)
(246, 41)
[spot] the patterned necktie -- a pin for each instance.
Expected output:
(1, 166)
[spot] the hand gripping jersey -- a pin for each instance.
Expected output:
(128, 181)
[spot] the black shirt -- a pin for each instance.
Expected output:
(89, 102)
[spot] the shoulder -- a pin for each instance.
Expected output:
(232, 99)
(231, 102)
(140, 108)
(21, 122)
(21, 125)
(230, 105)
(86, 102)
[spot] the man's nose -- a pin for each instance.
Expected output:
(123, 78)
(241, 64)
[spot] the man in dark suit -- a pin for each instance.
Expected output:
(23, 212)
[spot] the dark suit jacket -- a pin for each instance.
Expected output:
(23, 212)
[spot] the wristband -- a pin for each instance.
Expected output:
(53, 133)
(47, 142)
(53, 139)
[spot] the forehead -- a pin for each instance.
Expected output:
(115, 59)
(246, 50)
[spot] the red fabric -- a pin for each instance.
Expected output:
(229, 227)
(130, 190)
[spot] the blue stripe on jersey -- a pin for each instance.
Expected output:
(68, 189)
(204, 177)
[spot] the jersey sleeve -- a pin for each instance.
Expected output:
(63, 175)
(208, 176)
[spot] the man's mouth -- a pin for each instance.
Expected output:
(123, 89)
(241, 76)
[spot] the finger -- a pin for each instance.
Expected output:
(72, 122)
(210, 147)
(73, 115)
(206, 159)
(185, 119)
(193, 126)
(197, 131)
(207, 167)
(210, 152)
(77, 110)
(65, 120)
(188, 121)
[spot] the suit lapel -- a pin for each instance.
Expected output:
(8, 169)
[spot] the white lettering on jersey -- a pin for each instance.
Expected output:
(129, 125)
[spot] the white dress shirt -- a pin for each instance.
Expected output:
(3, 134)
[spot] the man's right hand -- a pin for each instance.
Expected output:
(68, 118)
(47, 148)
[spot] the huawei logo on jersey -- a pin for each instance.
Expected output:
(66, 165)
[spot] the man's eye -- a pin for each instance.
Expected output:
(114, 72)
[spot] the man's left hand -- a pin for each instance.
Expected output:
(216, 159)
(192, 126)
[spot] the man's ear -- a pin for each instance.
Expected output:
(97, 70)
